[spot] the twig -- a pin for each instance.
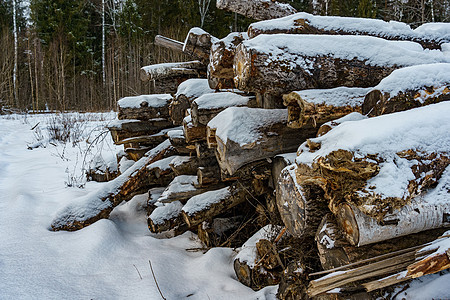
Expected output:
(154, 278)
(35, 126)
(138, 271)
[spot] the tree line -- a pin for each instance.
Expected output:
(85, 55)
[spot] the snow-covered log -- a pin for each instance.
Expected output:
(283, 63)
(187, 92)
(335, 251)
(280, 162)
(304, 23)
(222, 55)
(125, 129)
(324, 128)
(178, 141)
(206, 107)
(193, 133)
(198, 43)
(246, 266)
(99, 204)
(182, 70)
(301, 203)
(316, 107)
(185, 165)
(144, 107)
(257, 9)
(167, 217)
(407, 88)
(244, 135)
(208, 175)
(212, 203)
(386, 176)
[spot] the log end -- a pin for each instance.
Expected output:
(347, 222)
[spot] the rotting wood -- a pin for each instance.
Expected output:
(257, 9)
(314, 108)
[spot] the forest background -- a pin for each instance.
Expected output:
(84, 55)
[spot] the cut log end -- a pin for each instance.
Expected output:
(347, 222)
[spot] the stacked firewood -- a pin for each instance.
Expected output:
(296, 142)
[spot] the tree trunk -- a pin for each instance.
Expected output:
(184, 70)
(124, 129)
(260, 64)
(257, 9)
(304, 23)
(193, 133)
(198, 43)
(144, 107)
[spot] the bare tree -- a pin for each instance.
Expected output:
(203, 6)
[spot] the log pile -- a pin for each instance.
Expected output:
(345, 189)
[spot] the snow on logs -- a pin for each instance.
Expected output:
(187, 92)
(198, 43)
(257, 9)
(144, 107)
(316, 107)
(283, 63)
(386, 176)
(206, 107)
(221, 59)
(304, 23)
(99, 204)
(179, 70)
(407, 88)
(244, 135)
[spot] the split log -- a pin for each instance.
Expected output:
(187, 92)
(259, 170)
(408, 88)
(184, 165)
(304, 23)
(300, 202)
(220, 83)
(203, 152)
(193, 133)
(185, 70)
(136, 153)
(207, 205)
(245, 135)
(222, 56)
(144, 107)
(396, 192)
(316, 107)
(198, 43)
(206, 107)
(257, 9)
(335, 251)
(124, 129)
(247, 264)
(99, 204)
(218, 231)
(282, 63)
(167, 217)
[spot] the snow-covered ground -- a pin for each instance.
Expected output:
(107, 260)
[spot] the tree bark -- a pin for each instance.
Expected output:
(198, 43)
(304, 23)
(126, 129)
(185, 70)
(257, 9)
(145, 111)
(260, 70)
(193, 133)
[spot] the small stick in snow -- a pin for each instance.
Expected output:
(138, 271)
(154, 278)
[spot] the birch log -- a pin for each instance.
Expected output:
(144, 107)
(257, 9)
(173, 70)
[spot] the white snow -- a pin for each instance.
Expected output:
(361, 26)
(159, 70)
(197, 31)
(166, 212)
(194, 88)
(176, 134)
(180, 160)
(288, 49)
(424, 129)
(221, 100)
(241, 124)
(155, 100)
(205, 200)
(99, 261)
(182, 183)
(288, 157)
(248, 252)
(416, 77)
(340, 96)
